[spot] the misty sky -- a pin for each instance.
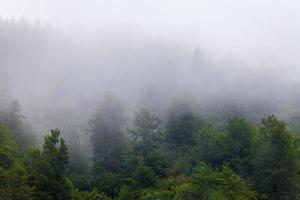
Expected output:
(250, 49)
(258, 30)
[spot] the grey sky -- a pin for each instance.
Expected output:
(264, 29)
(120, 45)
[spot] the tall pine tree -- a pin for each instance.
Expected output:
(276, 169)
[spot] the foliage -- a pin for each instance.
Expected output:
(182, 125)
(209, 184)
(147, 132)
(143, 176)
(239, 145)
(167, 189)
(14, 184)
(210, 146)
(147, 146)
(13, 118)
(8, 148)
(13, 175)
(183, 158)
(108, 182)
(276, 165)
(86, 195)
(48, 169)
(107, 135)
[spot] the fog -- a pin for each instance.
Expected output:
(60, 58)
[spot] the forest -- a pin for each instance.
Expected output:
(149, 111)
(184, 157)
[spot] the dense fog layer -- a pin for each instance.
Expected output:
(149, 99)
(60, 70)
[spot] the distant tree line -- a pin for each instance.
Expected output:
(184, 157)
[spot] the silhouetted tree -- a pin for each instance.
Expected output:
(107, 135)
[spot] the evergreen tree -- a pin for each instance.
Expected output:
(146, 133)
(210, 146)
(8, 148)
(276, 166)
(14, 183)
(48, 169)
(13, 175)
(107, 135)
(210, 184)
(12, 117)
(239, 145)
(147, 142)
(182, 129)
(183, 125)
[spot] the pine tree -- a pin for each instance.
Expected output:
(276, 167)
(48, 169)
(13, 175)
(147, 142)
(183, 125)
(107, 135)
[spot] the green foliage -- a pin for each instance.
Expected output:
(234, 146)
(166, 189)
(239, 142)
(143, 176)
(8, 148)
(183, 125)
(108, 182)
(13, 175)
(14, 184)
(211, 184)
(181, 137)
(126, 193)
(13, 118)
(86, 195)
(82, 181)
(48, 169)
(147, 143)
(107, 135)
(146, 132)
(276, 165)
(188, 160)
(210, 146)
(240, 136)
(137, 174)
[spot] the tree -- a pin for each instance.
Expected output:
(14, 184)
(210, 146)
(182, 129)
(147, 133)
(48, 169)
(276, 166)
(233, 144)
(210, 184)
(143, 176)
(108, 182)
(107, 135)
(182, 125)
(13, 175)
(167, 189)
(12, 117)
(89, 195)
(239, 145)
(8, 148)
(147, 142)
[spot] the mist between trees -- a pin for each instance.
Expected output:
(133, 117)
